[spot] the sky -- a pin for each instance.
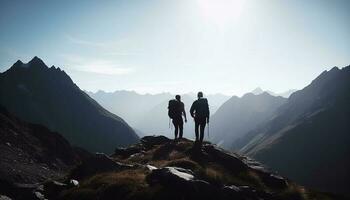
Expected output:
(179, 46)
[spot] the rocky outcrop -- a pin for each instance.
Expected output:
(180, 170)
(160, 168)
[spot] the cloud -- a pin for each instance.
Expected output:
(79, 41)
(111, 48)
(120, 53)
(104, 68)
(99, 66)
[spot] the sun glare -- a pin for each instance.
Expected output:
(221, 12)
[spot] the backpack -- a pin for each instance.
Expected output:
(173, 108)
(202, 108)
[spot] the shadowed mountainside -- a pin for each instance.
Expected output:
(30, 153)
(48, 96)
(237, 116)
(308, 139)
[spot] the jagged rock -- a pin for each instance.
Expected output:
(97, 164)
(150, 141)
(127, 152)
(230, 160)
(273, 180)
(151, 167)
(179, 179)
(170, 174)
(39, 196)
(244, 193)
(3, 197)
(74, 183)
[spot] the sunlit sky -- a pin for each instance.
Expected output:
(178, 46)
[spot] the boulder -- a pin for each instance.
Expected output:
(273, 180)
(3, 197)
(150, 141)
(178, 179)
(230, 160)
(127, 152)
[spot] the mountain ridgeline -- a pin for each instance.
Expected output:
(238, 116)
(48, 96)
(308, 138)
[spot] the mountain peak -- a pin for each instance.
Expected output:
(18, 63)
(37, 62)
(257, 90)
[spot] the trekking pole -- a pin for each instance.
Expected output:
(208, 130)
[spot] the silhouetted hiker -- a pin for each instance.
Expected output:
(200, 112)
(175, 111)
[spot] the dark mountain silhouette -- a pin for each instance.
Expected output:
(31, 153)
(237, 116)
(308, 140)
(158, 168)
(48, 96)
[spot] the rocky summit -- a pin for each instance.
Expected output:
(160, 168)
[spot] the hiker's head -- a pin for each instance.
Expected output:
(200, 95)
(178, 97)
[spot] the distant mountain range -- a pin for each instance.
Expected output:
(237, 116)
(308, 139)
(285, 94)
(147, 113)
(130, 105)
(48, 96)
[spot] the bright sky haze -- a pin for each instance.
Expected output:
(179, 46)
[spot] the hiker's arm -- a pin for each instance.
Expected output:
(208, 114)
(184, 112)
(192, 110)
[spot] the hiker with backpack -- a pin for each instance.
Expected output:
(200, 112)
(176, 109)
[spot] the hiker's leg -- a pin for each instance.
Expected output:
(196, 127)
(181, 130)
(202, 128)
(175, 128)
